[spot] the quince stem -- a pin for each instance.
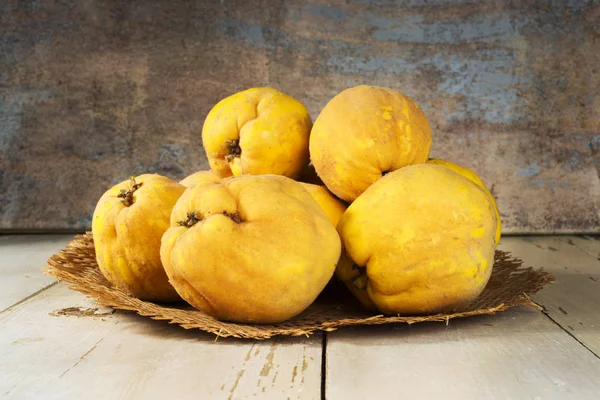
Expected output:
(360, 282)
(126, 195)
(233, 149)
(192, 219)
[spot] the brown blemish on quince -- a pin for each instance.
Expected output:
(235, 217)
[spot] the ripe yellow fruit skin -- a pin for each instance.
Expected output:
(425, 235)
(472, 176)
(261, 251)
(127, 238)
(199, 177)
(332, 207)
(345, 270)
(363, 133)
(270, 129)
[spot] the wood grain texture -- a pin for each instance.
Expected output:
(520, 353)
(21, 261)
(124, 356)
(573, 300)
(517, 354)
(92, 92)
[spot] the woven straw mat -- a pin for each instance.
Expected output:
(510, 285)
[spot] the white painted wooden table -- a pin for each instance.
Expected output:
(518, 354)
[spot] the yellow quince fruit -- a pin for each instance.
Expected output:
(199, 177)
(363, 133)
(472, 176)
(333, 207)
(423, 238)
(257, 131)
(346, 271)
(252, 249)
(127, 226)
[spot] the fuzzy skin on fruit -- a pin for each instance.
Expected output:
(345, 269)
(424, 237)
(128, 224)
(333, 208)
(199, 177)
(472, 176)
(363, 133)
(252, 249)
(257, 131)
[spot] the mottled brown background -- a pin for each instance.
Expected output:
(94, 91)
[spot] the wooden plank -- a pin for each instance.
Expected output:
(589, 244)
(573, 301)
(125, 356)
(21, 265)
(92, 92)
(517, 354)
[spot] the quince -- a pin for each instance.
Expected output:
(472, 176)
(128, 224)
(423, 239)
(253, 249)
(257, 131)
(199, 177)
(333, 207)
(345, 269)
(363, 133)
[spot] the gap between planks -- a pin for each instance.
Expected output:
(571, 301)
(570, 334)
(31, 296)
(21, 273)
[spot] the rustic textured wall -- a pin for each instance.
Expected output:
(93, 91)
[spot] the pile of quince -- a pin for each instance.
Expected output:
(254, 241)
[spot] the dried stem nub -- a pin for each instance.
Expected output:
(191, 220)
(233, 149)
(361, 280)
(126, 195)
